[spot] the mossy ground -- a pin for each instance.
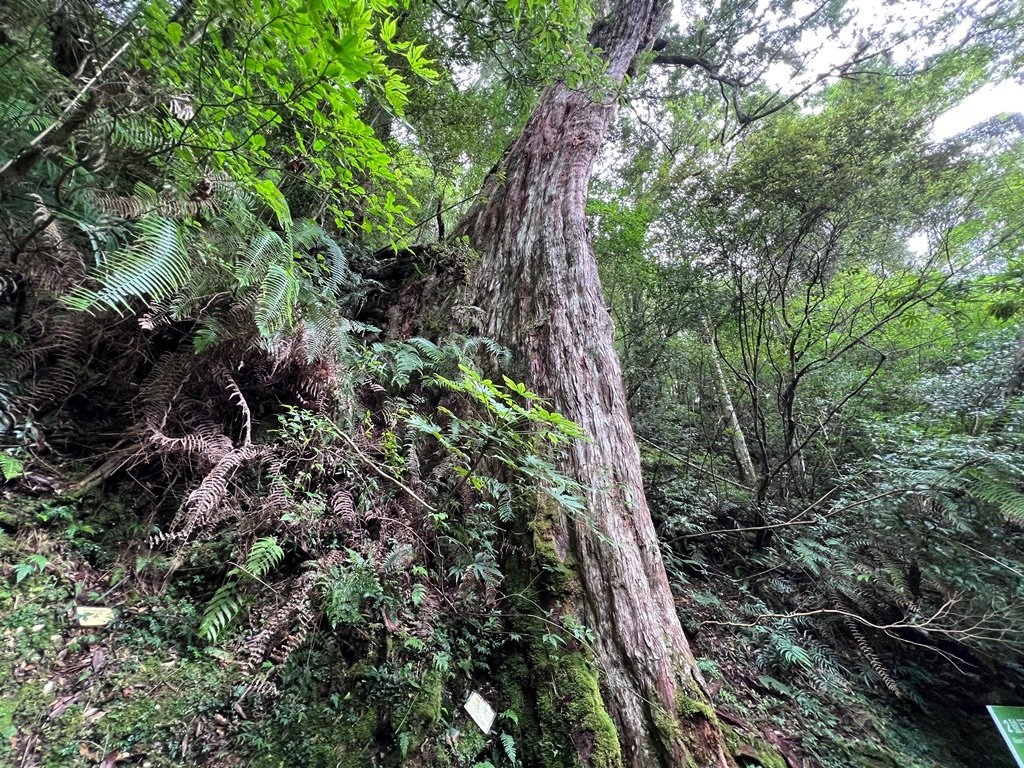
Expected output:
(144, 690)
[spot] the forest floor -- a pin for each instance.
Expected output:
(143, 690)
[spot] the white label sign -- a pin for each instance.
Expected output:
(93, 617)
(480, 711)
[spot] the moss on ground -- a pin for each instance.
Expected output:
(143, 688)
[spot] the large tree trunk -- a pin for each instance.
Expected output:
(537, 284)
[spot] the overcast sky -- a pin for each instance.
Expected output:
(990, 100)
(885, 17)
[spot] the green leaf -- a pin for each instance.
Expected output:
(174, 33)
(10, 467)
(275, 199)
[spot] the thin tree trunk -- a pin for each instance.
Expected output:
(748, 474)
(538, 287)
(1016, 380)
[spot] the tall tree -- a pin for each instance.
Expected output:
(537, 284)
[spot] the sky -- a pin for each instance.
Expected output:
(884, 18)
(1006, 96)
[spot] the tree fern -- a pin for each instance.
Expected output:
(153, 267)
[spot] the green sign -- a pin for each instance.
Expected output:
(1010, 722)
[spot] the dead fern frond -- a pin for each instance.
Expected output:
(873, 660)
(235, 395)
(137, 206)
(204, 441)
(59, 265)
(286, 626)
(199, 509)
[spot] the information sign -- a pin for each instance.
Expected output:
(1010, 722)
(481, 712)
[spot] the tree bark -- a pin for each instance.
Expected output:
(538, 288)
(748, 474)
(1016, 380)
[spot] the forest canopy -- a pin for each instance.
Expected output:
(653, 371)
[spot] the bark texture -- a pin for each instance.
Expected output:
(748, 474)
(538, 287)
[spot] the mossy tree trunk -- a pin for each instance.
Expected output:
(537, 284)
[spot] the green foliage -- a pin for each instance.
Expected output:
(512, 430)
(197, 199)
(32, 564)
(264, 556)
(346, 587)
(155, 266)
(10, 467)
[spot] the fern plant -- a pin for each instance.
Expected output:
(222, 609)
(154, 267)
(10, 467)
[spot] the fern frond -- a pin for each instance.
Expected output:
(220, 611)
(201, 506)
(208, 335)
(932, 479)
(1002, 495)
(276, 299)
(470, 346)
(509, 745)
(896, 575)
(21, 114)
(155, 266)
(10, 467)
(429, 350)
(311, 237)
(138, 135)
(395, 558)
(263, 249)
(264, 556)
(873, 660)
